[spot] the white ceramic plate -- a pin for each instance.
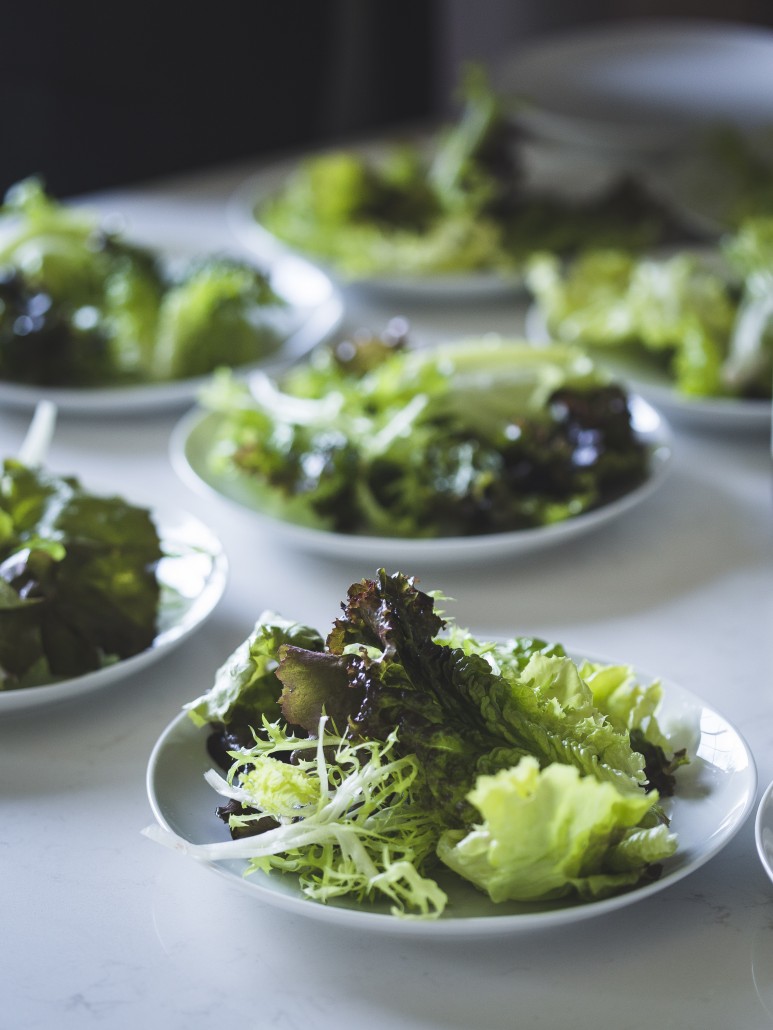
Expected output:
(715, 795)
(763, 830)
(192, 575)
(315, 310)
(718, 413)
(190, 447)
(640, 85)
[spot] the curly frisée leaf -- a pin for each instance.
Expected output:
(345, 821)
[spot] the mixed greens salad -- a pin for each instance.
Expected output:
(705, 318)
(371, 762)
(484, 436)
(78, 583)
(80, 306)
(460, 204)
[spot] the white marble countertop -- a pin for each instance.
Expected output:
(104, 928)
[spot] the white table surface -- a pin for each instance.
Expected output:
(104, 928)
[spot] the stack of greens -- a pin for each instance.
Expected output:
(82, 307)
(704, 318)
(484, 436)
(401, 746)
(78, 586)
(461, 205)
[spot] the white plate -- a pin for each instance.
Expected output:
(315, 310)
(640, 85)
(763, 830)
(460, 286)
(190, 448)
(192, 575)
(716, 793)
(653, 383)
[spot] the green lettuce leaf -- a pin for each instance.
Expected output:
(548, 833)
(216, 315)
(78, 578)
(246, 686)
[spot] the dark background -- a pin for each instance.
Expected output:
(96, 94)
(102, 94)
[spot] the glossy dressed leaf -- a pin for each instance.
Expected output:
(85, 565)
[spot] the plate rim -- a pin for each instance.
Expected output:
(165, 641)
(483, 925)
(764, 812)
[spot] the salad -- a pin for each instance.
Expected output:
(80, 306)
(703, 317)
(78, 582)
(370, 763)
(460, 204)
(371, 437)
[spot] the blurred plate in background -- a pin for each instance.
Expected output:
(637, 86)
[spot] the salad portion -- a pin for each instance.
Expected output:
(461, 202)
(80, 306)
(79, 588)
(373, 438)
(705, 318)
(399, 749)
